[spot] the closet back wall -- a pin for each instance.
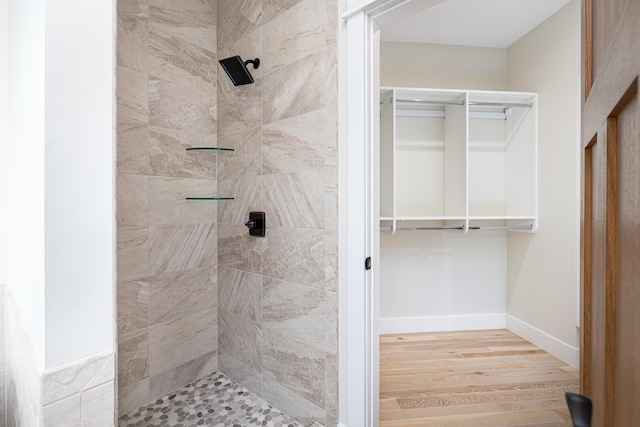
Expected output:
(436, 280)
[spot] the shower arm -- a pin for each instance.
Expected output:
(254, 62)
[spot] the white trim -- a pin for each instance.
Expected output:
(361, 396)
(563, 351)
(360, 407)
(464, 322)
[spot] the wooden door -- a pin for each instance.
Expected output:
(611, 211)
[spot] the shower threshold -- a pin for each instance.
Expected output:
(214, 400)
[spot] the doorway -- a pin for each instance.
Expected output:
(525, 280)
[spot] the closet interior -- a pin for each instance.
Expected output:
(478, 184)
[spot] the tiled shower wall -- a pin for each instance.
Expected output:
(277, 295)
(167, 246)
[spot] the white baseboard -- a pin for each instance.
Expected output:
(472, 322)
(563, 351)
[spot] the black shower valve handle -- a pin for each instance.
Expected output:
(256, 224)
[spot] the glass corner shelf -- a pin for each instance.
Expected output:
(209, 149)
(209, 198)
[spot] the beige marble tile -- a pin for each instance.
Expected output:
(240, 293)
(294, 144)
(331, 102)
(294, 89)
(240, 373)
(175, 295)
(175, 248)
(134, 7)
(133, 357)
(169, 155)
(133, 34)
(176, 342)
(168, 204)
(241, 339)
(331, 197)
(274, 8)
(76, 377)
(186, 104)
(133, 396)
(295, 365)
(63, 413)
(302, 312)
(295, 200)
(131, 196)
(332, 20)
(192, 21)
(133, 253)
(237, 18)
(295, 255)
(245, 161)
(165, 382)
(132, 96)
(106, 373)
(331, 383)
(300, 409)
(293, 34)
(133, 147)
(171, 56)
(132, 306)
(237, 249)
(98, 405)
(239, 107)
(332, 420)
(246, 192)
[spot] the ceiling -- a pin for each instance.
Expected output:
(488, 23)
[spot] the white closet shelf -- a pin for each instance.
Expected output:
(442, 152)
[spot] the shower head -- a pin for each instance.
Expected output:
(237, 70)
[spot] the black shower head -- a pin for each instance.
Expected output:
(237, 70)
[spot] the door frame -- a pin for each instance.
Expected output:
(360, 407)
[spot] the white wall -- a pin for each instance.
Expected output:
(79, 151)
(4, 136)
(543, 268)
(443, 66)
(25, 174)
(60, 154)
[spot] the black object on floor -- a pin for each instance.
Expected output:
(580, 408)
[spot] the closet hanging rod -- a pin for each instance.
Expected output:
(504, 227)
(480, 104)
(494, 228)
(461, 228)
(503, 104)
(423, 101)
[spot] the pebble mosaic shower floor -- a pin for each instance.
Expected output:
(214, 400)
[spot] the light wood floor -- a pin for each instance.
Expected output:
(471, 379)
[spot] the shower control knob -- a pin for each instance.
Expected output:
(256, 224)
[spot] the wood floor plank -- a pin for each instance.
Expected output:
(471, 378)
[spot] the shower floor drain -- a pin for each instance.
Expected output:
(214, 400)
